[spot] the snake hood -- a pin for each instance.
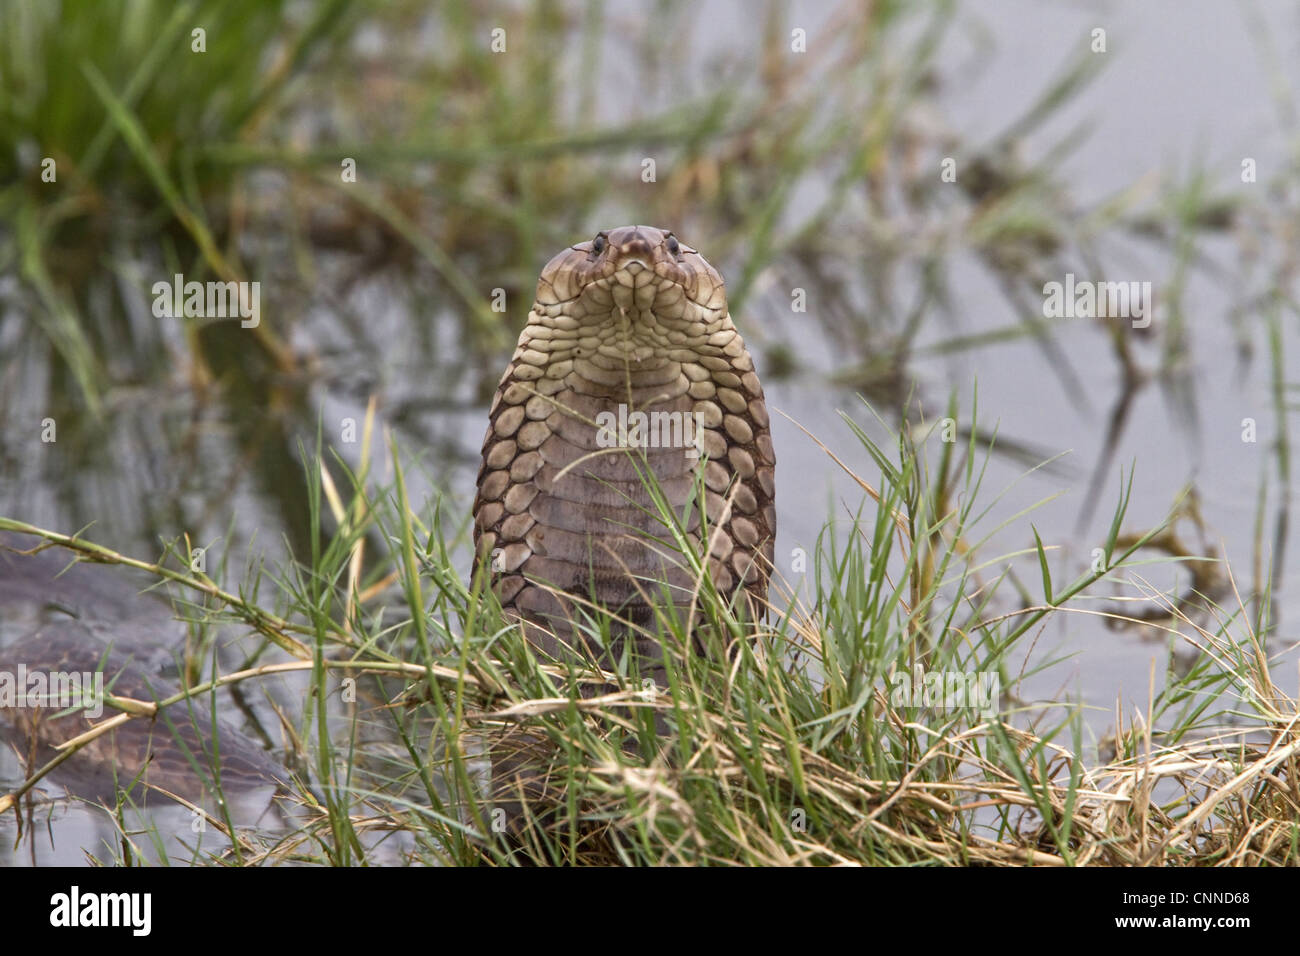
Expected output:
(631, 326)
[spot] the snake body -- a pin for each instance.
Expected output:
(57, 619)
(632, 321)
(176, 751)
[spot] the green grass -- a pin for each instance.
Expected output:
(790, 748)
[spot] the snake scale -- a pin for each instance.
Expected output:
(629, 363)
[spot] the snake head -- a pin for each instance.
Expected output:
(637, 268)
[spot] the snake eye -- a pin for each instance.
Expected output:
(598, 244)
(674, 246)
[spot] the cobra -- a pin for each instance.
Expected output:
(629, 337)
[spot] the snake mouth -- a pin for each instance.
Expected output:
(643, 294)
(635, 288)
